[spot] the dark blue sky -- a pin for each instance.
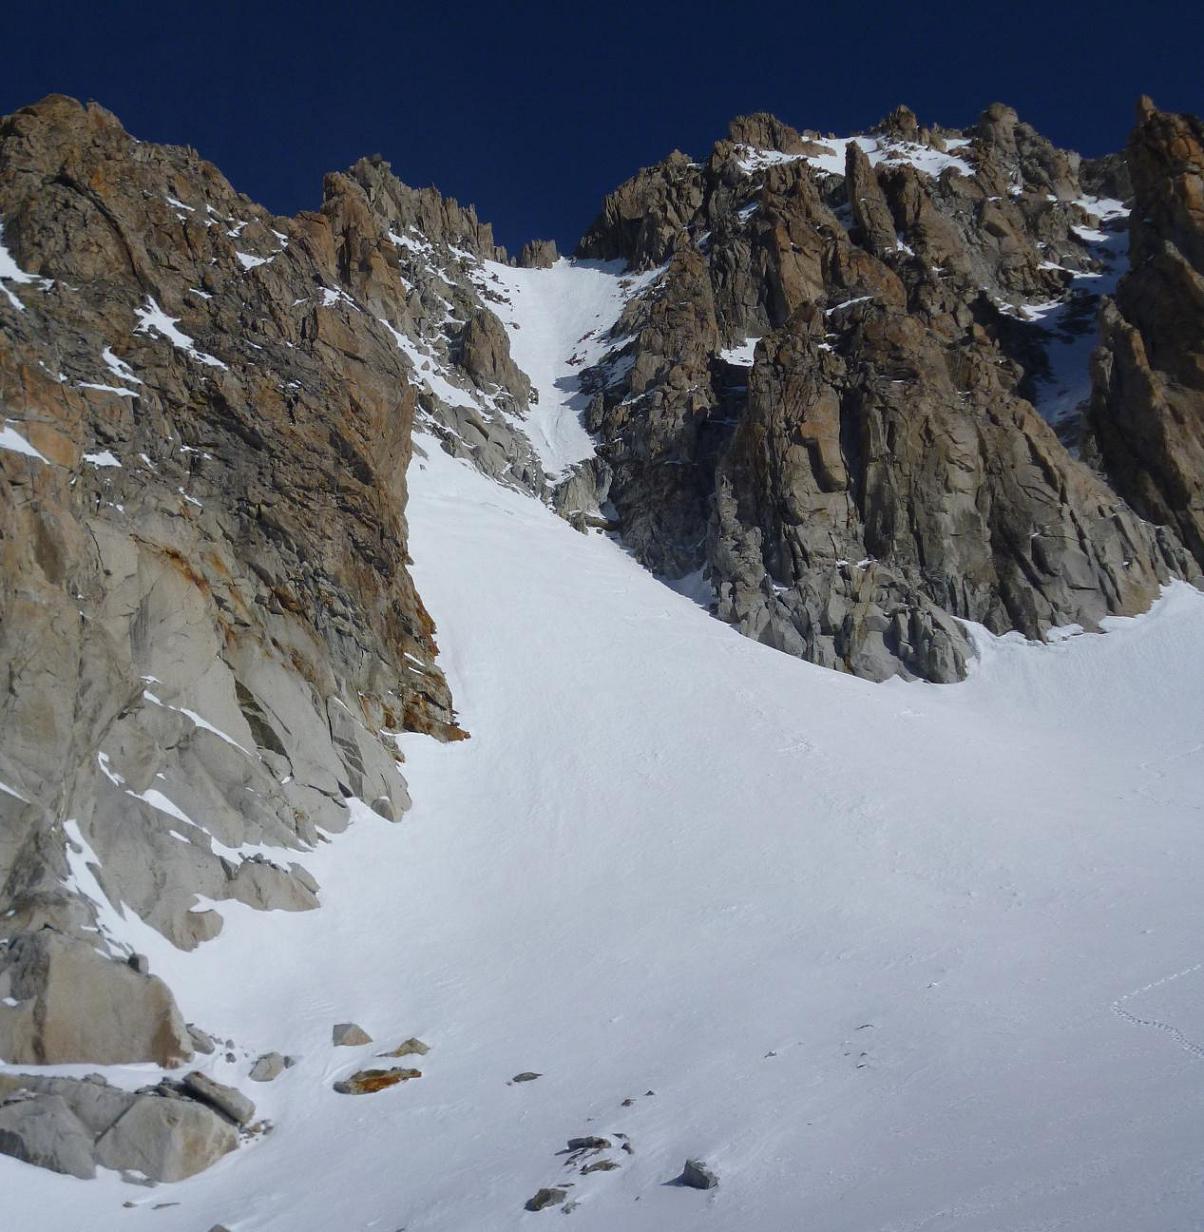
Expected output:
(534, 111)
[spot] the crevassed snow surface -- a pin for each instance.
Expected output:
(892, 958)
(559, 321)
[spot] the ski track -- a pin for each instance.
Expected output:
(1186, 1044)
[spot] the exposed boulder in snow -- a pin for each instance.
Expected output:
(369, 1081)
(408, 1048)
(544, 1198)
(229, 1101)
(72, 1125)
(45, 1132)
(202, 1041)
(590, 1142)
(697, 1175)
(68, 1003)
(166, 1139)
(268, 1067)
(349, 1035)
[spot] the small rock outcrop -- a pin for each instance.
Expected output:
(696, 1175)
(538, 254)
(349, 1035)
(269, 1067)
(407, 1048)
(589, 1143)
(369, 1081)
(227, 1100)
(544, 1198)
(485, 356)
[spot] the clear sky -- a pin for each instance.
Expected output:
(534, 111)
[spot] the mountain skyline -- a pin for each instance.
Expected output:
(533, 120)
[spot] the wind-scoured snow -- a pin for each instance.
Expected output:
(559, 322)
(892, 957)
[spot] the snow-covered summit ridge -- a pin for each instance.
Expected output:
(831, 156)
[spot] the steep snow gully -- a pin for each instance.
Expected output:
(884, 956)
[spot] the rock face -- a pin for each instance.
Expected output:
(206, 616)
(1147, 409)
(47, 1133)
(826, 405)
(538, 254)
(73, 1125)
(70, 1003)
(165, 1139)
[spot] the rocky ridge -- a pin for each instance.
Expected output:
(827, 412)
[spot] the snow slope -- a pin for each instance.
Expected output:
(892, 957)
(1072, 320)
(559, 321)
